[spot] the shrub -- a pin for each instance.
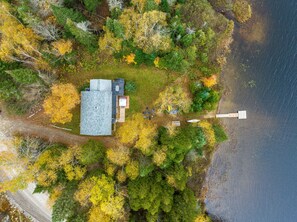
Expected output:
(242, 10)
(130, 86)
(220, 133)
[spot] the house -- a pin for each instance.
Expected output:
(100, 107)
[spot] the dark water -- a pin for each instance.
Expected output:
(253, 177)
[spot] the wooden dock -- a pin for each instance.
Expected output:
(239, 115)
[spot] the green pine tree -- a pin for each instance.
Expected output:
(83, 37)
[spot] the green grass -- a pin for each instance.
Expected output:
(150, 82)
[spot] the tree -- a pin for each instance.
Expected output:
(92, 152)
(203, 218)
(138, 132)
(63, 98)
(91, 5)
(150, 193)
(84, 37)
(23, 75)
(65, 206)
(63, 13)
(118, 155)
(150, 35)
(96, 214)
(62, 47)
(177, 176)
(109, 42)
(18, 43)
(173, 98)
(132, 169)
(210, 81)
(103, 194)
(242, 10)
(184, 207)
(208, 132)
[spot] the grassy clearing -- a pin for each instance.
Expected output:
(149, 81)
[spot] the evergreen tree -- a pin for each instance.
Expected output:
(24, 76)
(84, 37)
(62, 14)
(91, 5)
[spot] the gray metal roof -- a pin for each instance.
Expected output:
(100, 85)
(96, 113)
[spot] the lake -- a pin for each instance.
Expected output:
(253, 176)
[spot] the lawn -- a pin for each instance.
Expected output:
(150, 81)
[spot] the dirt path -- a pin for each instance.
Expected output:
(27, 127)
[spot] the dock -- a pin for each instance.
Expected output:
(240, 115)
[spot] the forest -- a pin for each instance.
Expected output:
(171, 54)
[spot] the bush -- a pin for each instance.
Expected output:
(174, 61)
(220, 133)
(24, 76)
(130, 86)
(205, 99)
(242, 10)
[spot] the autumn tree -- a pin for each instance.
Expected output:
(62, 47)
(119, 155)
(151, 35)
(173, 98)
(242, 10)
(210, 81)
(101, 193)
(138, 132)
(208, 132)
(18, 43)
(63, 98)
(132, 169)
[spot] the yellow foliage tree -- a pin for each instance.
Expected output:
(156, 62)
(109, 42)
(119, 155)
(96, 214)
(130, 58)
(132, 169)
(173, 97)
(103, 194)
(110, 169)
(210, 81)
(121, 176)
(242, 10)
(202, 218)
(18, 43)
(138, 132)
(208, 132)
(159, 156)
(63, 98)
(82, 195)
(62, 47)
(149, 35)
